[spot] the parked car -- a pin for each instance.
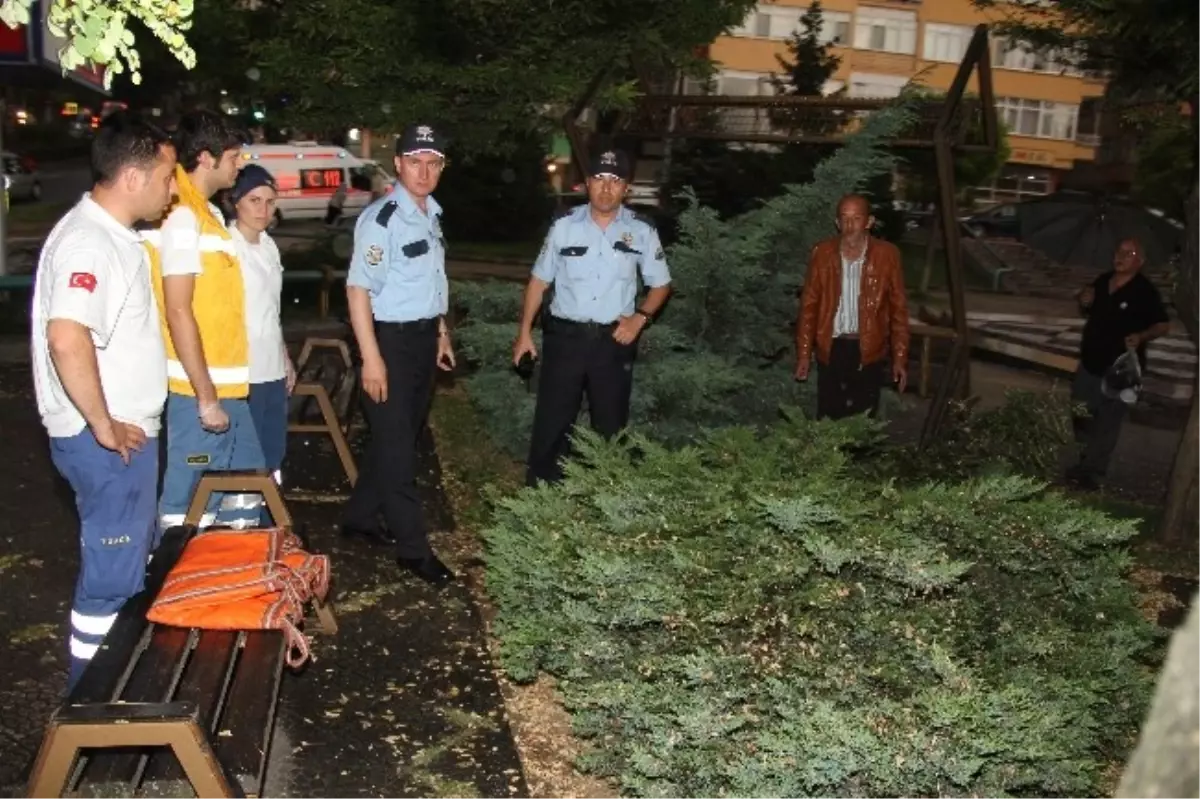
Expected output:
(21, 177)
(999, 222)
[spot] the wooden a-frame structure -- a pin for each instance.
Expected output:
(943, 126)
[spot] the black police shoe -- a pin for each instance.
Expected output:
(376, 534)
(428, 568)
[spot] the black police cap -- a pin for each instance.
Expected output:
(609, 162)
(421, 138)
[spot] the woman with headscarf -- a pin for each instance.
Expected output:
(272, 375)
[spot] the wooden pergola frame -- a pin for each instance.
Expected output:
(946, 140)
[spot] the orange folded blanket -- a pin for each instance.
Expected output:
(244, 580)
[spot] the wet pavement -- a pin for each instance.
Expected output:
(403, 701)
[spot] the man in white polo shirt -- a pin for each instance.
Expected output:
(100, 370)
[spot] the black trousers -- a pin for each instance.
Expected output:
(577, 359)
(844, 386)
(387, 478)
(1098, 431)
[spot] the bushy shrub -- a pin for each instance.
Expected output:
(750, 616)
(1023, 435)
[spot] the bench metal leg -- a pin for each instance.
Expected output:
(311, 344)
(63, 741)
(323, 622)
(331, 426)
(249, 482)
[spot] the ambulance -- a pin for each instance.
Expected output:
(309, 173)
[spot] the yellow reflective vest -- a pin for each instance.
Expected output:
(218, 301)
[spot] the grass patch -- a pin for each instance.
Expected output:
(469, 457)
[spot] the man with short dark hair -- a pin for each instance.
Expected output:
(198, 280)
(1124, 313)
(853, 314)
(398, 295)
(592, 256)
(99, 370)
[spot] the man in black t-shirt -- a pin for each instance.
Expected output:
(1124, 312)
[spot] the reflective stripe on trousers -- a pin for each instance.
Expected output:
(117, 533)
(192, 451)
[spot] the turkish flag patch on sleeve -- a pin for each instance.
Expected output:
(83, 280)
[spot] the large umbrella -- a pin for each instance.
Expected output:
(1078, 228)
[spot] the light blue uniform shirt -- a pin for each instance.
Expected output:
(400, 258)
(594, 271)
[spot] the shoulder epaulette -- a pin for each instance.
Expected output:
(385, 213)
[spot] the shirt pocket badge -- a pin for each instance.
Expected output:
(573, 252)
(415, 249)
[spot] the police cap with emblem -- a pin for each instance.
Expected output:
(609, 162)
(421, 138)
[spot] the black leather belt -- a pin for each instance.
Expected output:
(556, 324)
(415, 326)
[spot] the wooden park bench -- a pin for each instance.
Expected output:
(331, 386)
(158, 704)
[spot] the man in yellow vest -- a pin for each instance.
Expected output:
(198, 282)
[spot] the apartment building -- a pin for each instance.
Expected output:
(1049, 107)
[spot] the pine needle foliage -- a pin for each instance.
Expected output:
(720, 353)
(749, 615)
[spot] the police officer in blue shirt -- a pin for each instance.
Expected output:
(398, 295)
(592, 257)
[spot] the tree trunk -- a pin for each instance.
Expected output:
(1165, 761)
(1181, 516)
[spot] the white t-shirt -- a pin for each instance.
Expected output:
(262, 274)
(93, 270)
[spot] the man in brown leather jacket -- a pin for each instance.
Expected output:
(854, 313)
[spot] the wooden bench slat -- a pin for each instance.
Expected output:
(204, 682)
(110, 668)
(241, 738)
(154, 679)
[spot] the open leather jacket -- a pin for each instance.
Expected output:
(882, 306)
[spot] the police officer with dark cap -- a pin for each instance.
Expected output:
(592, 256)
(398, 295)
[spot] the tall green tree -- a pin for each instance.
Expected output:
(812, 62)
(1149, 50)
(1166, 157)
(488, 69)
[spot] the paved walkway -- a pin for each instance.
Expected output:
(404, 701)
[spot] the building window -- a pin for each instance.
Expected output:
(835, 28)
(885, 29)
(744, 84)
(780, 22)
(1039, 118)
(1007, 54)
(865, 84)
(736, 83)
(946, 42)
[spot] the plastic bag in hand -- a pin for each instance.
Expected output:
(1123, 380)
